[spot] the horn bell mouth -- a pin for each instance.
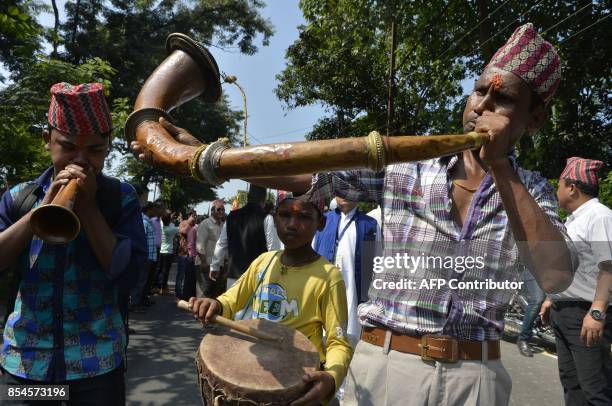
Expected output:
(55, 224)
(203, 58)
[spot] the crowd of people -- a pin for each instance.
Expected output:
(184, 239)
(419, 346)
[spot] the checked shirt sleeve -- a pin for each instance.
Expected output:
(358, 185)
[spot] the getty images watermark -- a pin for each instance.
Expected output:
(400, 263)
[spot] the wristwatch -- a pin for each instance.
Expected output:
(597, 314)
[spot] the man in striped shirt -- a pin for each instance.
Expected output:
(456, 231)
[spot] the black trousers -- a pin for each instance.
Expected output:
(165, 262)
(212, 288)
(585, 372)
(101, 390)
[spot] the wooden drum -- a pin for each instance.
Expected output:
(236, 369)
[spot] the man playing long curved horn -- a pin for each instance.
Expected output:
(455, 231)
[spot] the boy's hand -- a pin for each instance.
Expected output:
(204, 309)
(322, 389)
(53, 189)
(87, 185)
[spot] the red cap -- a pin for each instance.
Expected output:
(582, 170)
(533, 59)
(79, 109)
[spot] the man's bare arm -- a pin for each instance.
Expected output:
(603, 290)
(541, 244)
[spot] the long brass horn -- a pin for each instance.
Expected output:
(190, 71)
(55, 222)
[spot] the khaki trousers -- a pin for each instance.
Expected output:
(400, 379)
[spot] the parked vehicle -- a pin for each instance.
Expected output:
(513, 322)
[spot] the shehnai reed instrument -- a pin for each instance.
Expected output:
(190, 71)
(55, 222)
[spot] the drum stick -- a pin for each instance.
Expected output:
(182, 304)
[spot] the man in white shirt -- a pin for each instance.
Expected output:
(207, 236)
(347, 241)
(342, 243)
(247, 233)
(581, 315)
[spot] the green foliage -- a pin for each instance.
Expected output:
(118, 43)
(240, 198)
(19, 32)
(23, 106)
(605, 190)
(341, 60)
(131, 36)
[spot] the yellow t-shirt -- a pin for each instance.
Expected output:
(309, 298)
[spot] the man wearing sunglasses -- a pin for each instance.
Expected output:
(207, 236)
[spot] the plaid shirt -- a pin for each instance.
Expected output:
(66, 323)
(150, 233)
(417, 219)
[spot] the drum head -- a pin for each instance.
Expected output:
(243, 367)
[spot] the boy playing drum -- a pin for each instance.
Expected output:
(298, 288)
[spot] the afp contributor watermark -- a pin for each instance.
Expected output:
(439, 283)
(404, 262)
(411, 263)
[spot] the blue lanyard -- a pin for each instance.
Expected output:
(255, 293)
(341, 234)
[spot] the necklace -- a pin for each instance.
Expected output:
(298, 264)
(467, 189)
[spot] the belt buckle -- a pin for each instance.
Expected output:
(446, 341)
(369, 337)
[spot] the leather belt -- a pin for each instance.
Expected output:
(432, 348)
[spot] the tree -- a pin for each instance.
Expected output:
(24, 104)
(341, 60)
(129, 38)
(19, 32)
(342, 55)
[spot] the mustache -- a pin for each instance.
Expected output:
(471, 121)
(471, 118)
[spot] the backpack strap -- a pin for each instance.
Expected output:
(24, 201)
(108, 198)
